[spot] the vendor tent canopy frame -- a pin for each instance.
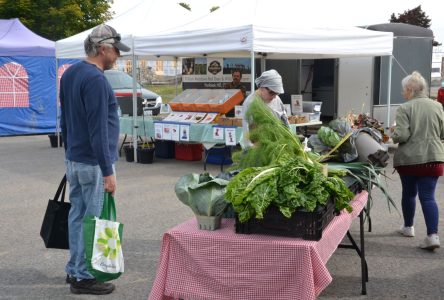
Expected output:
(248, 33)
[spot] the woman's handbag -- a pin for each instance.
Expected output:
(54, 231)
(103, 248)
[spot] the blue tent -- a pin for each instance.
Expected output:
(28, 102)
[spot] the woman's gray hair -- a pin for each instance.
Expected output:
(416, 83)
(91, 48)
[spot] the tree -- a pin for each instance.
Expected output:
(413, 16)
(185, 5)
(57, 19)
(188, 7)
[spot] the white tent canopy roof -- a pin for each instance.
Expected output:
(281, 29)
(146, 18)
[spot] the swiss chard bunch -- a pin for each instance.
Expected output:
(295, 184)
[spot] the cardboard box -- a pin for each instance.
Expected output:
(224, 121)
(237, 122)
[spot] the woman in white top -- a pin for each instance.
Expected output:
(269, 87)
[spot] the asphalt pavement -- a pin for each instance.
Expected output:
(30, 171)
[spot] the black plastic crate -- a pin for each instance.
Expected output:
(164, 149)
(303, 224)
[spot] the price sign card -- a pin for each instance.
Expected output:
(230, 136)
(167, 131)
(175, 132)
(184, 133)
(296, 104)
(158, 131)
(218, 133)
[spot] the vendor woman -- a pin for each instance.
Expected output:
(269, 87)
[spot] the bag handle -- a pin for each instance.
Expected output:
(109, 208)
(62, 186)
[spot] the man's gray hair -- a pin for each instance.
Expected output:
(416, 83)
(91, 48)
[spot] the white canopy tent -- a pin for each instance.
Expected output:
(277, 30)
(163, 29)
(281, 29)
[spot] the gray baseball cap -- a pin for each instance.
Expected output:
(108, 35)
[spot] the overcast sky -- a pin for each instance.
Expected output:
(336, 12)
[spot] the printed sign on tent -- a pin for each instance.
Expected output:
(230, 136)
(185, 133)
(167, 131)
(158, 131)
(175, 132)
(218, 133)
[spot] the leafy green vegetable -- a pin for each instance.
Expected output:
(292, 185)
(278, 171)
(328, 136)
(368, 176)
(205, 198)
(204, 177)
(271, 138)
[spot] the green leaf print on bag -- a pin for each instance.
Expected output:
(109, 242)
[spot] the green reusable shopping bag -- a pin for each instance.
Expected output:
(103, 242)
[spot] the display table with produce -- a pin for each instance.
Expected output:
(280, 188)
(201, 264)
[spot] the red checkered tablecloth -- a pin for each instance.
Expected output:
(203, 265)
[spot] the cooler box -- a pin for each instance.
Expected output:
(188, 151)
(164, 149)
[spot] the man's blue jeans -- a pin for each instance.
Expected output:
(424, 186)
(86, 192)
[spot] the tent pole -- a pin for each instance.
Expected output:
(253, 71)
(175, 73)
(389, 89)
(57, 101)
(133, 71)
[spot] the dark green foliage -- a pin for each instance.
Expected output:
(56, 20)
(185, 5)
(415, 16)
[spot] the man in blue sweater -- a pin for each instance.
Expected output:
(90, 129)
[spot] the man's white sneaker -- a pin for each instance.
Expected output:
(407, 231)
(431, 242)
